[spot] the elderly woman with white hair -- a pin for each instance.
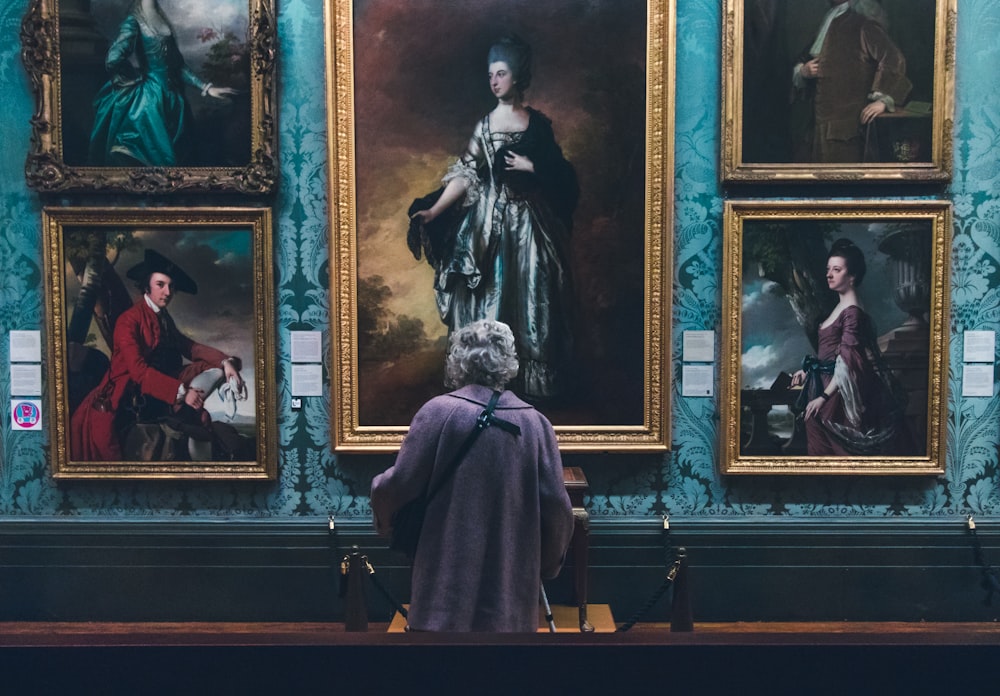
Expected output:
(502, 520)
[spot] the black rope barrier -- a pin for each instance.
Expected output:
(355, 562)
(349, 567)
(382, 589)
(675, 561)
(990, 576)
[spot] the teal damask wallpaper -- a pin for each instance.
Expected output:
(314, 482)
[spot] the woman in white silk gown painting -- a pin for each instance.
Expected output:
(497, 232)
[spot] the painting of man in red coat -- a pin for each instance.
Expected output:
(158, 379)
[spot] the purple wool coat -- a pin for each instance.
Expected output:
(500, 524)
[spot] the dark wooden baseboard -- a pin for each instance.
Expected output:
(95, 634)
(57, 569)
(305, 658)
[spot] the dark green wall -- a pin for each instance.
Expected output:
(288, 570)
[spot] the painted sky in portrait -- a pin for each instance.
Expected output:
(188, 18)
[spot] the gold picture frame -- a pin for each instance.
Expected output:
(109, 418)
(407, 139)
(103, 123)
(776, 131)
(782, 303)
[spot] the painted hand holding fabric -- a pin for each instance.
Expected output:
(230, 392)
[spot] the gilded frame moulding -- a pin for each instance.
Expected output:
(384, 151)
(780, 307)
(92, 255)
(771, 132)
(69, 49)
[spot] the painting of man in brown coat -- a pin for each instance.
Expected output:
(848, 76)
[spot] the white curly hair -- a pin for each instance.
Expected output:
(483, 353)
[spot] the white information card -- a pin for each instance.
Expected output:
(697, 380)
(307, 346)
(25, 346)
(979, 346)
(307, 380)
(699, 346)
(25, 379)
(977, 380)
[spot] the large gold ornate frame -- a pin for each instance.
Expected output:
(47, 169)
(165, 227)
(648, 432)
(736, 54)
(930, 224)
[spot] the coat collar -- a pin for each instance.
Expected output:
(478, 394)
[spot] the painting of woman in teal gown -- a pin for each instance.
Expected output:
(142, 116)
(152, 96)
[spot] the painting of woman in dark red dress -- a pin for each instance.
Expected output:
(851, 401)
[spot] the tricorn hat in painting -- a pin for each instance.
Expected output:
(155, 262)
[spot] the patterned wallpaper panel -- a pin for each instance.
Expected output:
(314, 482)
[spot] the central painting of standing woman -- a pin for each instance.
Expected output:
(500, 174)
(502, 225)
